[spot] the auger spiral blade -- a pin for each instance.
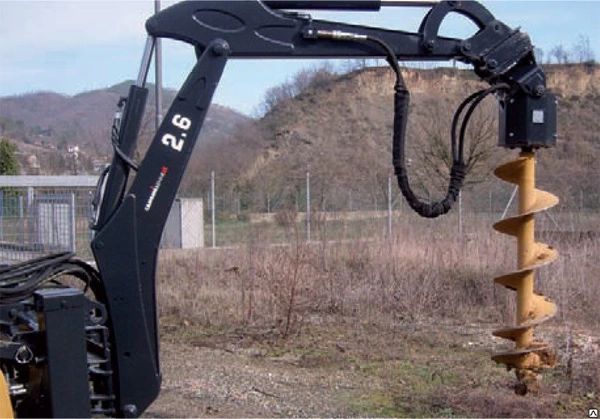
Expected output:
(533, 309)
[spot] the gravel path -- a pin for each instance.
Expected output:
(205, 382)
(363, 373)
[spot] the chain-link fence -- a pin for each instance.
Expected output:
(318, 208)
(43, 214)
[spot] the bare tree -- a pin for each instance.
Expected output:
(432, 155)
(539, 54)
(582, 50)
(316, 76)
(276, 95)
(560, 54)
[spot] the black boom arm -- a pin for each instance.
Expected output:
(131, 218)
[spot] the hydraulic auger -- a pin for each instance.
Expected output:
(525, 125)
(533, 309)
(70, 352)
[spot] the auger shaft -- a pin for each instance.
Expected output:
(525, 245)
(527, 378)
(533, 309)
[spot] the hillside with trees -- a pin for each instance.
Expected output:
(336, 126)
(339, 127)
(59, 134)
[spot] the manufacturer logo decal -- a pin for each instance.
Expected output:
(154, 188)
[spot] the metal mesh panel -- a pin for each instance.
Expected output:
(185, 226)
(39, 220)
(322, 208)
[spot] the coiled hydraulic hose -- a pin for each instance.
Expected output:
(459, 168)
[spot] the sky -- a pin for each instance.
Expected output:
(74, 46)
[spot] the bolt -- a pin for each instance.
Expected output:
(99, 245)
(539, 90)
(24, 355)
(466, 46)
(221, 48)
(429, 45)
(492, 64)
(130, 411)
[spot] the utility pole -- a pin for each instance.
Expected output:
(158, 73)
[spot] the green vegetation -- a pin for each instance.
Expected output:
(9, 164)
(234, 232)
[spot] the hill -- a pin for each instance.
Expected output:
(339, 129)
(44, 123)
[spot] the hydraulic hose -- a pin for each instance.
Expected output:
(459, 168)
(457, 172)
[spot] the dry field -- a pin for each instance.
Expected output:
(394, 328)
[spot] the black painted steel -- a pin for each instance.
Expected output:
(126, 247)
(123, 366)
(528, 122)
(254, 30)
(65, 372)
(43, 353)
(131, 223)
(119, 170)
(357, 5)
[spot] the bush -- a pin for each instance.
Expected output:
(286, 217)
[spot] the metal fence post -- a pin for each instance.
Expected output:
(73, 223)
(29, 216)
(212, 206)
(512, 196)
(268, 203)
(460, 213)
(22, 224)
(308, 206)
(389, 206)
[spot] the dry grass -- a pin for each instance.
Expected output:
(411, 316)
(421, 274)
